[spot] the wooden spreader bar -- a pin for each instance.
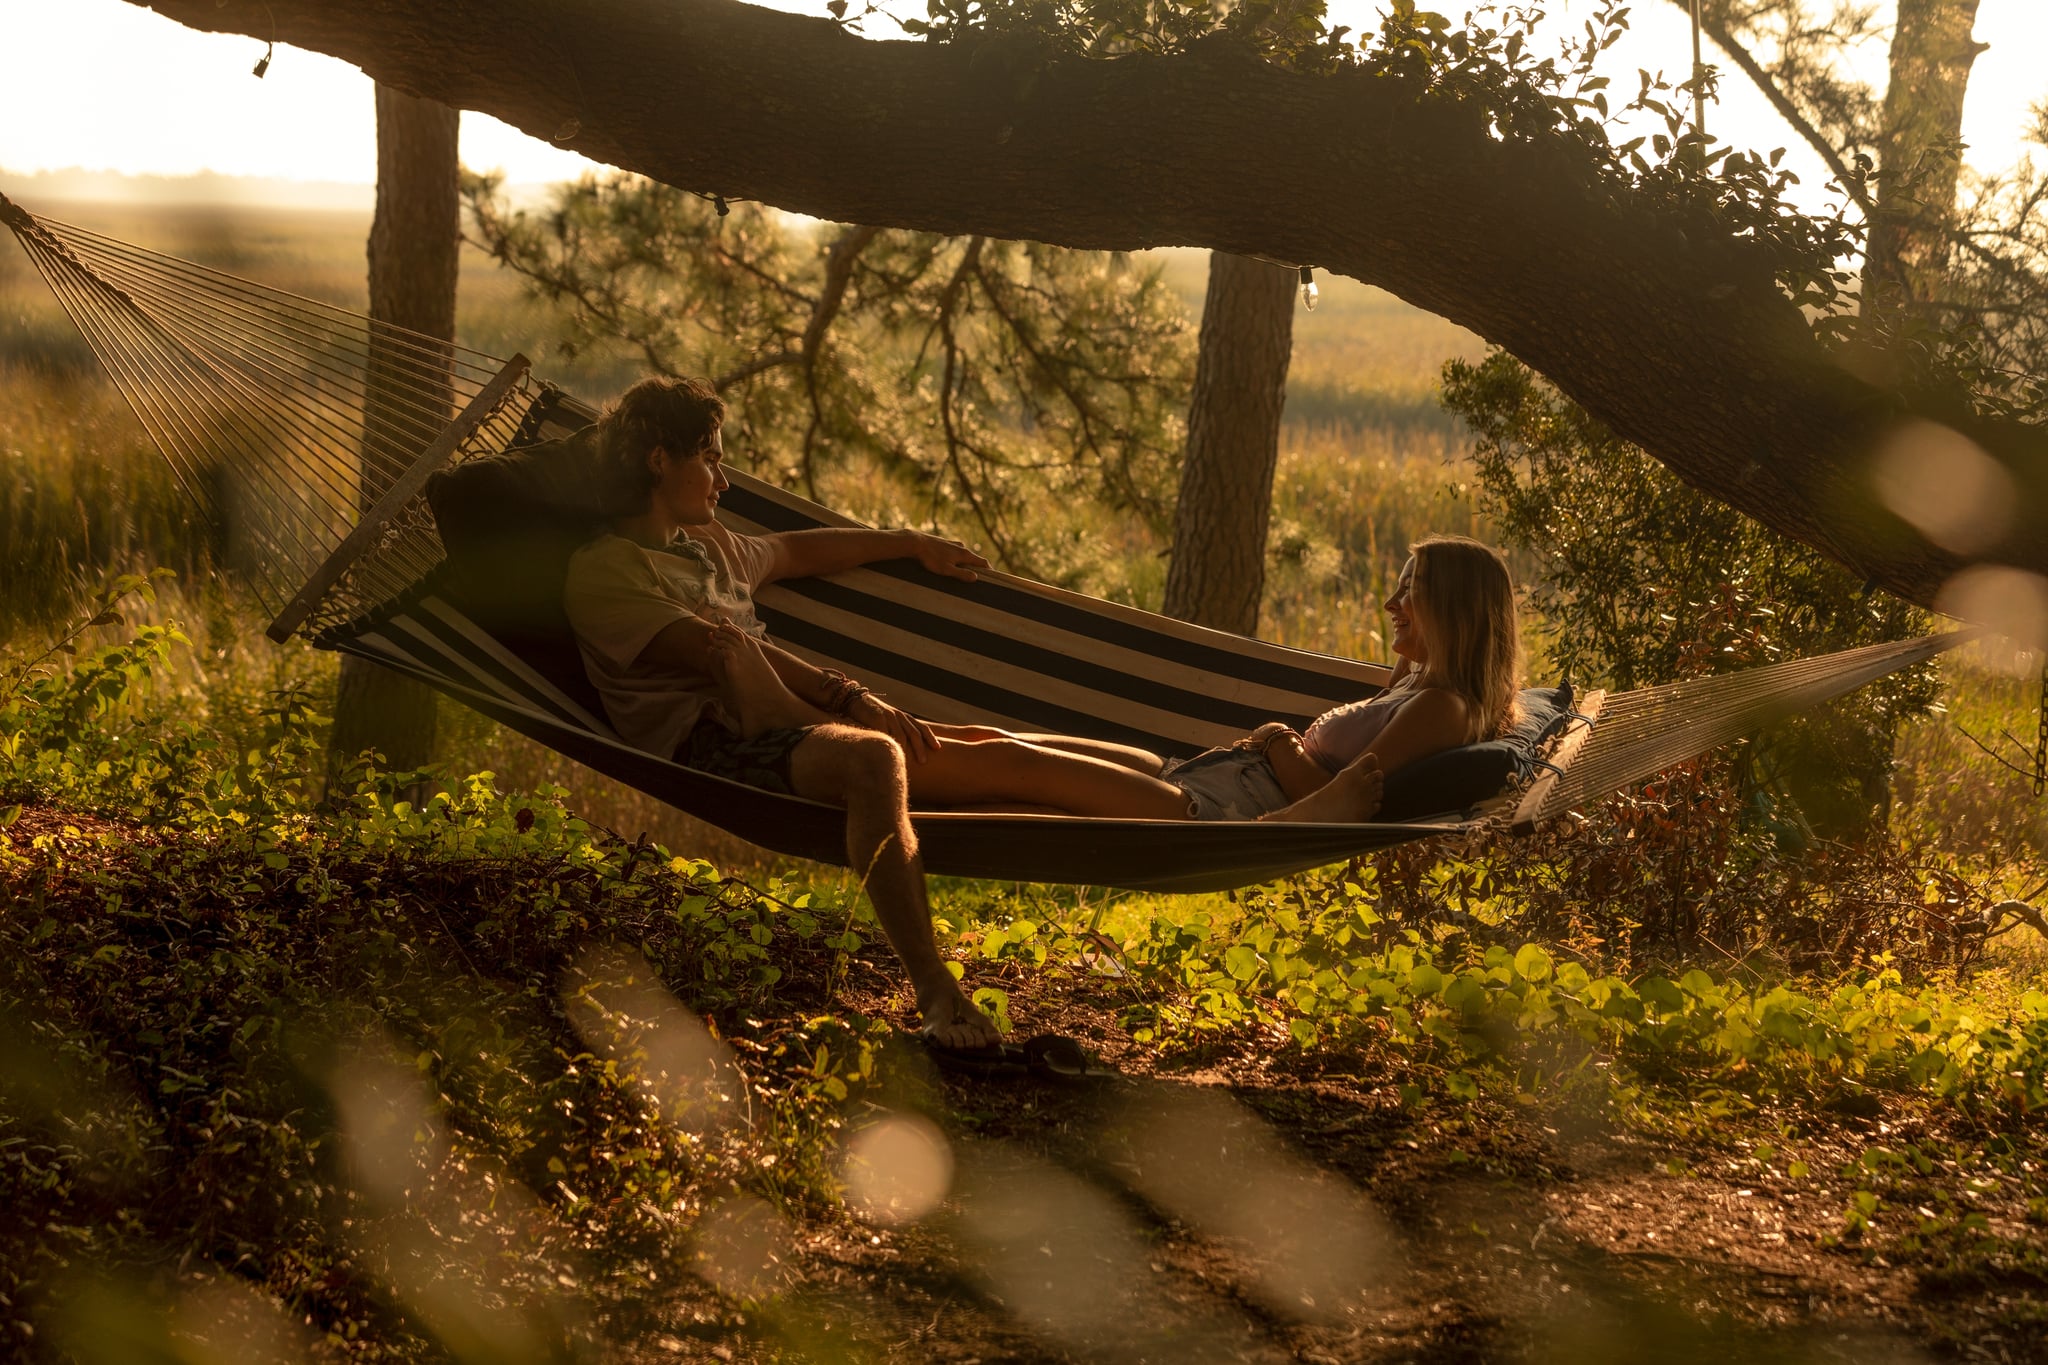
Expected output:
(402, 491)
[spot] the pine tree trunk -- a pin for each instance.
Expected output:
(414, 240)
(1218, 571)
(1920, 155)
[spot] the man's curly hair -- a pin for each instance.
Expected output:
(679, 414)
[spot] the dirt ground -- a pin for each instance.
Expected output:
(1225, 1209)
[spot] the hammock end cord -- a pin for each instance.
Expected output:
(17, 218)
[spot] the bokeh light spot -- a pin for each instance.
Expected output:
(897, 1170)
(1945, 486)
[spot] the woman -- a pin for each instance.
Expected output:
(1456, 678)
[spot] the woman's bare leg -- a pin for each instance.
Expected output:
(1123, 755)
(1013, 770)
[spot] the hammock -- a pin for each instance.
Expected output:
(309, 433)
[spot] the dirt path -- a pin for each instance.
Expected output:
(1231, 1211)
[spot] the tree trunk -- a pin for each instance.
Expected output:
(1218, 573)
(1646, 313)
(1920, 155)
(414, 241)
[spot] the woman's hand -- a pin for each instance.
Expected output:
(948, 557)
(870, 712)
(1264, 736)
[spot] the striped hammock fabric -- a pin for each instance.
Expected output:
(1001, 651)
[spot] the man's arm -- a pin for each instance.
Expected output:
(684, 646)
(834, 549)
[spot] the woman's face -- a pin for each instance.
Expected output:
(1406, 614)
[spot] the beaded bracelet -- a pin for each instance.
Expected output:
(841, 692)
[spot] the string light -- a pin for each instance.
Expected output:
(1309, 292)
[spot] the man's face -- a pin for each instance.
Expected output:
(686, 487)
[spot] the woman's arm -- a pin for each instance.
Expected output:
(1298, 774)
(1434, 720)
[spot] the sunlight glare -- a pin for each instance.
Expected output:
(1213, 1164)
(897, 1170)
(1945, 485)
(743, 1247)
(2012, 602)
(622, 1011)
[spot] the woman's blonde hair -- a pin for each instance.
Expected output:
(1467, 603)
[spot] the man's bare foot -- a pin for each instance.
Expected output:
(753, 692)
(951, 1019)
(1351, 797)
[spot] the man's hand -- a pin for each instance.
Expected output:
(870, 712)
(948, 557)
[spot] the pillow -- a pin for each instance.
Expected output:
(1463, 777)
(509, 523)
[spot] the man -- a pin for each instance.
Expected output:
(662, 607)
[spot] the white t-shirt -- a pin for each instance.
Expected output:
(621, 594)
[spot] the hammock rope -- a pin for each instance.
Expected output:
(284, 418)
(305, 431)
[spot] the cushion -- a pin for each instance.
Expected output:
(1463, 777)
(509, 523)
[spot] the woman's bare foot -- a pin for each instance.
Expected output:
(1300, 776)
(951, 1019)
(1351, 797)
(753, 692)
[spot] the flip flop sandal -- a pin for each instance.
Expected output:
(1047, 1056)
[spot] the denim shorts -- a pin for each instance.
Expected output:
(1229, 784)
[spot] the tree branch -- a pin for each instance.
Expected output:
(1851, 184)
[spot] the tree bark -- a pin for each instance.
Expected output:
(1217, 576)
(415, 238)
(1653, 319)
(1920, 155)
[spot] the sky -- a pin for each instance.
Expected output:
(107, 85)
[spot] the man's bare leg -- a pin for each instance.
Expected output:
(864, 772)
(1351, 797)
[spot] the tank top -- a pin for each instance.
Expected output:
(1338, 736)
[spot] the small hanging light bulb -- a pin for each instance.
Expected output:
(1309, 292)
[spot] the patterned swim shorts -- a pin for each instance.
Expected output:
(1228, 784)
(761, 762)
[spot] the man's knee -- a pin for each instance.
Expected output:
(844, 764)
